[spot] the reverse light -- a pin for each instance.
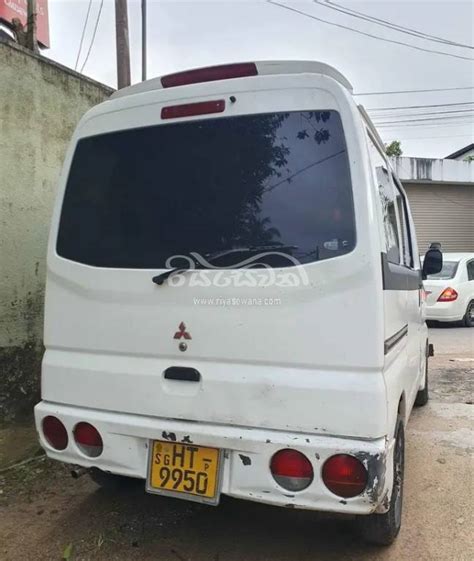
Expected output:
(344, 475)
(448, 295)
(209, 74)
(192, 109)
(291, 470)
(88, 440)
(55, 432)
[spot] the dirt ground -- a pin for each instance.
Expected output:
(46, 515)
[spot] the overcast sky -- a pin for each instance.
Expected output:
(184, 34)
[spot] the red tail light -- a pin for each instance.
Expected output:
(55, 432)
(88, 440)
(209, 74)
(292, 470)
(448, 295)
(191, 109)
(344, 475)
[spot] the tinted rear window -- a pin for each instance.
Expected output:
(138, 197)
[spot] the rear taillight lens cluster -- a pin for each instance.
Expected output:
(448, 295)
(86, 436)
(88, 439)
(343, 474)
(291, 470)
(55, 433)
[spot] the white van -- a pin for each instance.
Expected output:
(233, 300)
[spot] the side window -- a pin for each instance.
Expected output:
(470, 271)
(407, 255)
(388, 202)
(387, 197)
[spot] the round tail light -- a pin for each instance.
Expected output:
(345, 475)
(88, 440)
(55, 432)
(291, 470)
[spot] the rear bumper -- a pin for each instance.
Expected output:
(445, 311)
(248, 452)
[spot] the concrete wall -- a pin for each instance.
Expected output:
(426, 170)
(40, 104)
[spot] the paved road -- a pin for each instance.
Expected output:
(453, 340)
(42, 510)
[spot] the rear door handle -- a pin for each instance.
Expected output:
(182, 373)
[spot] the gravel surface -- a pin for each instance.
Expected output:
(44, 514)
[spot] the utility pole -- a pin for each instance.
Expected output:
(144, 53)
(31, 41)
(122, 44)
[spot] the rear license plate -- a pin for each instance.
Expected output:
(185, 471)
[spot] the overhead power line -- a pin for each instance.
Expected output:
(406, 138)
(454, 112)
(408, 119)
(93, 35)
(403, 126)
(419, 106)
(438, 119)
(390, 25)
(83, 33)
(284, 6)
(417, 91)
(465, 122)
(389, 129)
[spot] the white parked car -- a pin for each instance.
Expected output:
(450, 293)
(233, 300)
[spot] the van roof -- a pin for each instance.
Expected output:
(235, 70)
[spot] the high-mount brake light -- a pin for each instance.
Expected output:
(209, 74)
(192, 109)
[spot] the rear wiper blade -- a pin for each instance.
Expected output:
(210, 257)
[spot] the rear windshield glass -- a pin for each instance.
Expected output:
(138, 197)
(447, 272)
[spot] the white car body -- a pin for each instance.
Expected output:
(329, 370)
(462, 282)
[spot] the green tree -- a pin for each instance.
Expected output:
(394, 148)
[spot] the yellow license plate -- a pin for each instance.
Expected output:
(184, 470)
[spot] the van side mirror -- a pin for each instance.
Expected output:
(433, 262)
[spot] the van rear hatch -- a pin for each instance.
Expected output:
(259, 202)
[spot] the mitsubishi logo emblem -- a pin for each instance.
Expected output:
(182, 333)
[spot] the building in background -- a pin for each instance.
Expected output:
(463, 154)
(441, 195)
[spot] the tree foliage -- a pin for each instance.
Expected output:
(394, 148)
